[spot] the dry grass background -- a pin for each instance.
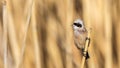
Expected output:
(38, 33)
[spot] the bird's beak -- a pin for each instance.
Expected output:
(84, 30)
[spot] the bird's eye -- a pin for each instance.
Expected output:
(80, 25)
(75, 24)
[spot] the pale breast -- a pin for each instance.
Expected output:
(80, 39)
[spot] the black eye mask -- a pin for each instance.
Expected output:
(78, 24)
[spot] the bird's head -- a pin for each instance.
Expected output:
(79, 25)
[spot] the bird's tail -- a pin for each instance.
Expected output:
(86, 55)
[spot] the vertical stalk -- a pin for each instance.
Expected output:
(108, 35)
(35, 37)
(5, 34)
(85, 50)
(25, 34)
(69, 36)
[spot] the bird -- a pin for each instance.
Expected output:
(80, 35)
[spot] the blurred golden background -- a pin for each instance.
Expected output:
(38, 33)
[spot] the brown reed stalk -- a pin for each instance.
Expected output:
(108, 35)
(5, 34)
(116, 29)
(25, 34)
(14, 44)
(118, 42)
(69, 38)
(37, 48)
(12, 36)
(85, 49)
(52, 47)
